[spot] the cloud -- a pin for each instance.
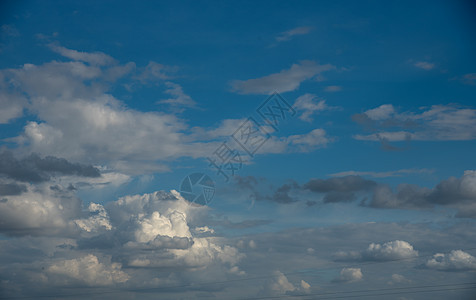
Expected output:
(259, 191)
(12, 101)
(289, 34)
(49, 209)
(399, 279)
(97, 220)
(11, 189)
(469, 79)
(455, 192)
(380, 113)
(424, 65)
(309, 104)
(437, 123)
(180, 98)
(155, 71)
(342, 184)
(280, 285)
(456, 260)
(93, 58)
(316, 138)
(348, 275)
(333, 88)
(389, 251)
(394, 250)
(62, 95)
(396, 173)
(284, 81)
(9, 30)
(86, 270)
(33, 168)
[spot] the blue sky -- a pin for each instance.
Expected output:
(105, 108)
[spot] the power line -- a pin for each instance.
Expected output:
(195, 285)
(393, 290)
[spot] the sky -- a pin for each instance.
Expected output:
(237, 149)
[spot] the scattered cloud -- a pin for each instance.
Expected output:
(342, 189)
(348, 275)
(396, 173)
(456, 260)
(333, 88)
(280, 285)
(436, 123)
(9, 30)
(33, 168)
(424, 65)
(180, 98)
(395, 250)
(469, 79)
(284, 81)
(155, 71)
(309, 104)
(92, 58)
(87, 270)
(289, 34)
(399, 279)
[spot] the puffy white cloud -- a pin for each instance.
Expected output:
(281, 284)
(172, 225)
(456, 260)
(380, 113)
(98, 219)
(390, 251)
(350, 275)
(393, 250)
(284, 81)
(42, 209)
(162, 221)
(87, 270)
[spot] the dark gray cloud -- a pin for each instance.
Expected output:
(456, 192)
(459, 193)
(346, 184)
(35, 169)
(261, 190)
(11, 189)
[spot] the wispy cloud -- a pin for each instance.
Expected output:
(93, 58)
(424, 65)
(284, 81)
(309, 104)
(435, 123)
(180, 98)
(396, 173)
(289, 34)
(333, 88)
